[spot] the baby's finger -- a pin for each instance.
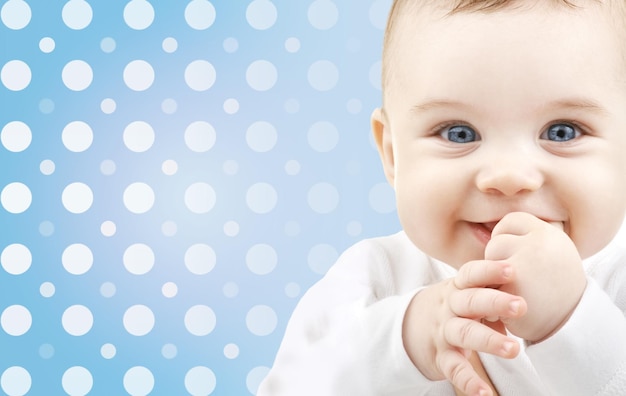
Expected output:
(459, 371)
(472, 335)
(482, 273)
(481, 303)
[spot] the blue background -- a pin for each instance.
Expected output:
(261, 245)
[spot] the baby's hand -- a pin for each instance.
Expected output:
(548, 268)
(442, 327)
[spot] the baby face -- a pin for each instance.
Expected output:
(519, 110)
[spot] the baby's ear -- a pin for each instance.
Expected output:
(382, 137)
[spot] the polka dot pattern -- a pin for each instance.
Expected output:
(177, 175)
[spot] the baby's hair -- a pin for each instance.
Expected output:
(412, 7)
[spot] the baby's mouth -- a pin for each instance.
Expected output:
(490, 225)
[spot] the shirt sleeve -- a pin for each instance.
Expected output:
(587, 356)
(345, 335)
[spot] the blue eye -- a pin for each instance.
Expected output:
(460, 134)
(560, 133)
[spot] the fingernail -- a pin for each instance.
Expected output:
(507, 271)
(514, 306)
(483, 392)
(508, 346)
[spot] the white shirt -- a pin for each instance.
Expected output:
(345, 335)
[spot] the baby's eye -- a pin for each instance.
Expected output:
(560, 133)
(460, 134)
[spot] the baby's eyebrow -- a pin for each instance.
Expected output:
(577, 104)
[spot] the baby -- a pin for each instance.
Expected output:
(503, 133)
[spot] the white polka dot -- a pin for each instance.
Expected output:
(170, 45)
(231, 351)
(323, 14)
(323, 136)
(200, 136)
(323, 75)
(261, 259)
(16, 14)
(261, 14)
(292, 290)
(46, 106)
(108, 351)
(200, 259)
(138, 259)
(261, 198)
(77, 380)
(375, 75)
(77, 14)
(200, 198)
(138, 320)
(321, 257)
(169, 106)
(77, 198)
(200, 381)
(47, 45)
(231, 228)
(231, 106)
(47, 167)
(200, 320)
(138, 75)
(169, 289)
(108, 289)
(261, 75)
(46, 351)
(108, 45)
(354, 228)
(16, 259)
(230, 167)
(138, 198)
(77, 259)
(138, 380)
(108, 228)
(77, 320)
(200, 14)
(46, 228)
(292, 167)
(292, 45)
(16, 320)
(169, 167)
(261, 136)
(16, 198)
(378, 13)
(77, 136)
(382, 198)
(77, 75)
(261, 320)
(169, 351)
(169, 228)
(47, 289)
(323, 198)
(15, 75)
(231, 45)
(108, 106)
(107, 167)
(200, 75)
(354, 106)
(15, 380)
(255, 377)
(138, 14)
(292, 106)
(230, 290)
(292, 228)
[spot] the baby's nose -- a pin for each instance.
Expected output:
(509, 175)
